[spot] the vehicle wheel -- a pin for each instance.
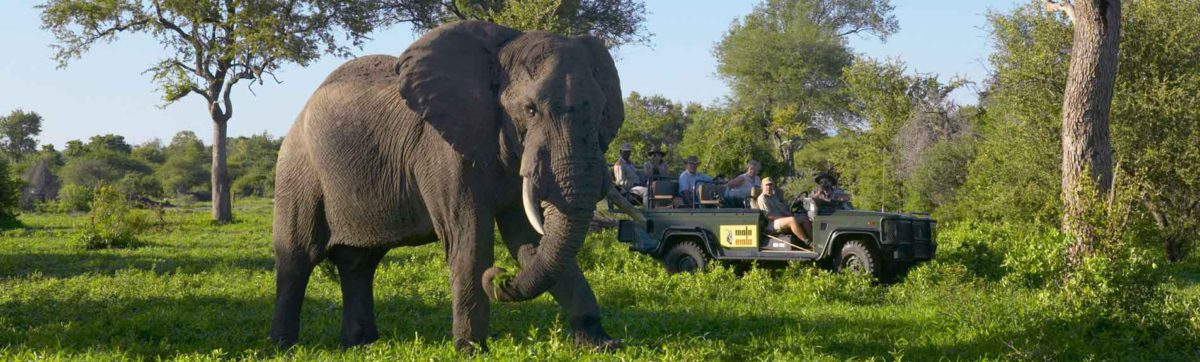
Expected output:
(684, 257)
(858, 258)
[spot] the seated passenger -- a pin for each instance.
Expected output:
(827, 196)
(625, 175)
(688, 179)
(739, 187)
(778, 212)
(656, 166)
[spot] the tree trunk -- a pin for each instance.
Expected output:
(221, 203)
(1087, 101)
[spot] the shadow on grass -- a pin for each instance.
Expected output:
(107, 262)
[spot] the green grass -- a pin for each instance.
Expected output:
(199, 291)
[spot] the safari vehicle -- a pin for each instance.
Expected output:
(685, 238)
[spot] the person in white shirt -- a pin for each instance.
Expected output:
(739, 187)
(625, 173)
(688, 179)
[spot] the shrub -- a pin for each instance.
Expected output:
(112, 222)
(1020, 254)
(74, 197)
(140, 186)
(10, 193)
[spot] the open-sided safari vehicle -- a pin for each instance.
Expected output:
(685, 238)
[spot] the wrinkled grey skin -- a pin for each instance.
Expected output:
(434, 145)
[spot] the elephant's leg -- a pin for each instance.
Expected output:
(356, 268)
(300, 233)
(571, 290)
(465, 226)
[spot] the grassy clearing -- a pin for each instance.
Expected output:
(201, 292)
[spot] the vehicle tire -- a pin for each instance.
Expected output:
(684, 257)
(859, 258)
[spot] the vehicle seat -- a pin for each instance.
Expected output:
(662, 193)
(710, 194)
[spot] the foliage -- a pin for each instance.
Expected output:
(725, 138)
(1155, 123)
(618, 22)
(151, 152)
(111, 222)
(10, 196)
(137, 186)
(252, 164)
(75, 197)
(653, 120)
(913, 140)
(17, 132)
(793, 94)
(186, 166)
(105, 159)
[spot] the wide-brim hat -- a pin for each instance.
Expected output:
(655, 149)
(827, 175)
(625, 147)
(692, 160)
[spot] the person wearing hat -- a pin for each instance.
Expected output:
(625, 174)
(656, 166)
(688, 179)
(828, 196)
(778, 212)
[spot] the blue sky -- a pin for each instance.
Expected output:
(106, 92)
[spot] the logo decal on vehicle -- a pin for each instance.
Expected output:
(739, 236)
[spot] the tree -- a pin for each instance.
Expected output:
(252, 164)
(185, 169)
(213, 45)
(784, 60)
(103, 160)
(618, 22)
(1087, 104)
(151, 151)
(653, 120)
(17, 132)
(10, 194)
(725, 137)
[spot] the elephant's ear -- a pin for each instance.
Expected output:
(450, 77)
(605, 72)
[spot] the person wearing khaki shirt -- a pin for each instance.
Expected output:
(778, 212)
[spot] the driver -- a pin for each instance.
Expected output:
(778, 212)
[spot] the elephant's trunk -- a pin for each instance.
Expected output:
(564, 234)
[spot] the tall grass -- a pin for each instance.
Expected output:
(197, 291)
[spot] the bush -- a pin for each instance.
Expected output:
(112, 222)
(254, 184)
(140, 186)
(1020, 254)
(75, 197)
(10, 196)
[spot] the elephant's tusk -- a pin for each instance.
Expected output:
(533, 209)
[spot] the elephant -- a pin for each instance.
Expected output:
(475, 126)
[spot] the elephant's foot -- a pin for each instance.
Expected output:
(358, 337)
(590, 334)
(469, 348)
(284, 340)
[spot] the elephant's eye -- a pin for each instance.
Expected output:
(531, 110)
